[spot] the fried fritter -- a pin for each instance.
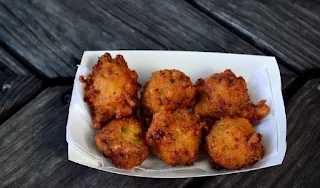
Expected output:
(111, 90)
(225, 95)
(168, 90)
(233, 144)
(175, 136)
(123, 141)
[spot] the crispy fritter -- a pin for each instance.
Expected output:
(233, 144)
(123, 141)
(168, 90)
(175, 136)
(225, 95)
(111, 90)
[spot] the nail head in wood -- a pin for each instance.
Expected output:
(67, 98)
(6, 87)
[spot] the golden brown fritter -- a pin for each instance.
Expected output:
(175, 136)
(225, 95)
(123, 141)
(233, 144)
(168, 90)
(111, 90)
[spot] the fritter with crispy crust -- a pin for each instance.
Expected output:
(168, 90)
(225, 95)
(233, 144)
(111, 90)
(175, 136)
(123, 141)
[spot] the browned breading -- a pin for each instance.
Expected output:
(225, 95)
(123, 141)
(233, 144)
(168, 90)
(175, 136)
(111, 90)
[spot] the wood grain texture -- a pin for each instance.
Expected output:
(52, 35)
(34, 150)
(302, 161)
(58, 35)
(287, 28)
(20, 90)
(10, 65)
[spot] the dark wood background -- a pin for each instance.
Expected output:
(43, 41)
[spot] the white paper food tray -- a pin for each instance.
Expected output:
(263, 78)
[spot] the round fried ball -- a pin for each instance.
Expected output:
(111, 90)
(175, 136)
(226, 95)
(168, 90)
(123, 141)
(233, 144)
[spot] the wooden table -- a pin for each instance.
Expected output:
(42, 42)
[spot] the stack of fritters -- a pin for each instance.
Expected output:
(232, 142)
(111, 92)
(174, 133)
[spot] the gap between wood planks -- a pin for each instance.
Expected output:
(242, 36)
(46, 81)
(66, 98)
(302, 77)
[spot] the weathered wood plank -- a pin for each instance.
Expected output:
(16, 91)
(10, 65)
(195, 31)
(83, 27)
(287, 28)
(21, 85)
(302, 161)
(57, 32)
(34, 150)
